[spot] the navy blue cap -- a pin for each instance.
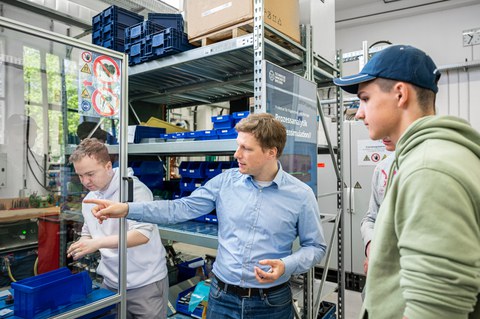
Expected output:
(397, 62)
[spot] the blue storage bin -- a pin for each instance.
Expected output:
(152, 181)
(188, 269)
(168, 20)
(237, 116)
(49, 292)
(206, 135)
(327, 310)
(183, 168)
(147, 132)
(165, 42)
(233, 164)
(195, 169)
(222, 121)
(227, 133)
(169, 136)
(150, 167)
(211, 218)
(190, 184)
(142, 29)
(120, 15)
(215, 168)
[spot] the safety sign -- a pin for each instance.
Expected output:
(370, 152)
(99, 89)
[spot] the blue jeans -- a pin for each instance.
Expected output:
(273, 305)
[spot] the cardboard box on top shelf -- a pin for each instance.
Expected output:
(204, 17)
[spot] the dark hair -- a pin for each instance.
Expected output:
(93, 148)
(268, 131)
(425, 97)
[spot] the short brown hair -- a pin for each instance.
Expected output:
(268, 131)
(425, 97)
(93, 148)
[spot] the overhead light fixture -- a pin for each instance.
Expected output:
(388, 1)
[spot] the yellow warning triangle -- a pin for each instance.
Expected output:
(384, 156)
(366, 158)
(86, 69)
(85, 93)
(357, 185)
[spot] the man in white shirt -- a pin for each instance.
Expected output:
(147, 280)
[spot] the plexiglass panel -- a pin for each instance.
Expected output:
(53, 93)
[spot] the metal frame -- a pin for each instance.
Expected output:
(51, 36)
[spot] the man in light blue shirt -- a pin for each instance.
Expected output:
(261, 210)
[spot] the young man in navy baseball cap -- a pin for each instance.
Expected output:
(424, 256)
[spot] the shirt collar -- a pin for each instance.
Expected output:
(277, 180)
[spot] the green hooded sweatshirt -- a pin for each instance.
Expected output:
(425, 254)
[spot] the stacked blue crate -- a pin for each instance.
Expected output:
(108, 27)
(237, 116)
(150, 173)
(165, 42)
(135, 39)
(168, 20)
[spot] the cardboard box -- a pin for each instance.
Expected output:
(204, 17)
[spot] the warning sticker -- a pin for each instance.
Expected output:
(105, 102)
(370, 152)
(85, 69)
(106, 69)
(99, 89)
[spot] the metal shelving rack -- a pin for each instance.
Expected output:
(219, 72)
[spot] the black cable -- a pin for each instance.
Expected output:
(35, 159)
(34, 176)
(379, 42)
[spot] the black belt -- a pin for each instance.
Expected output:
(248, 292)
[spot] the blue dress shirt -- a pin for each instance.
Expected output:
(254, 223)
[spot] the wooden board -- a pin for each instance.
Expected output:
(27, 213)
(238, 30)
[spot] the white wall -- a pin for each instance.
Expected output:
(321, 16)
(438, 33)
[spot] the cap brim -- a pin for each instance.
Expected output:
(350, 83)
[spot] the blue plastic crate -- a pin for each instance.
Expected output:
(190, 184)
(97, 21)
(327, 310)
(227, 133)
(188, 269)
(135, 52)
(166, 42)
(168, 20)
(114, 44)
(215, 168)
(152, 181)
(222, 121)
(150, 167)
(211, 219)
(237, 116)
(120, 15)
(195, 169)
(147, 132)
(183, 168)
(49, 292)
(142, 29)
(206, 135)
